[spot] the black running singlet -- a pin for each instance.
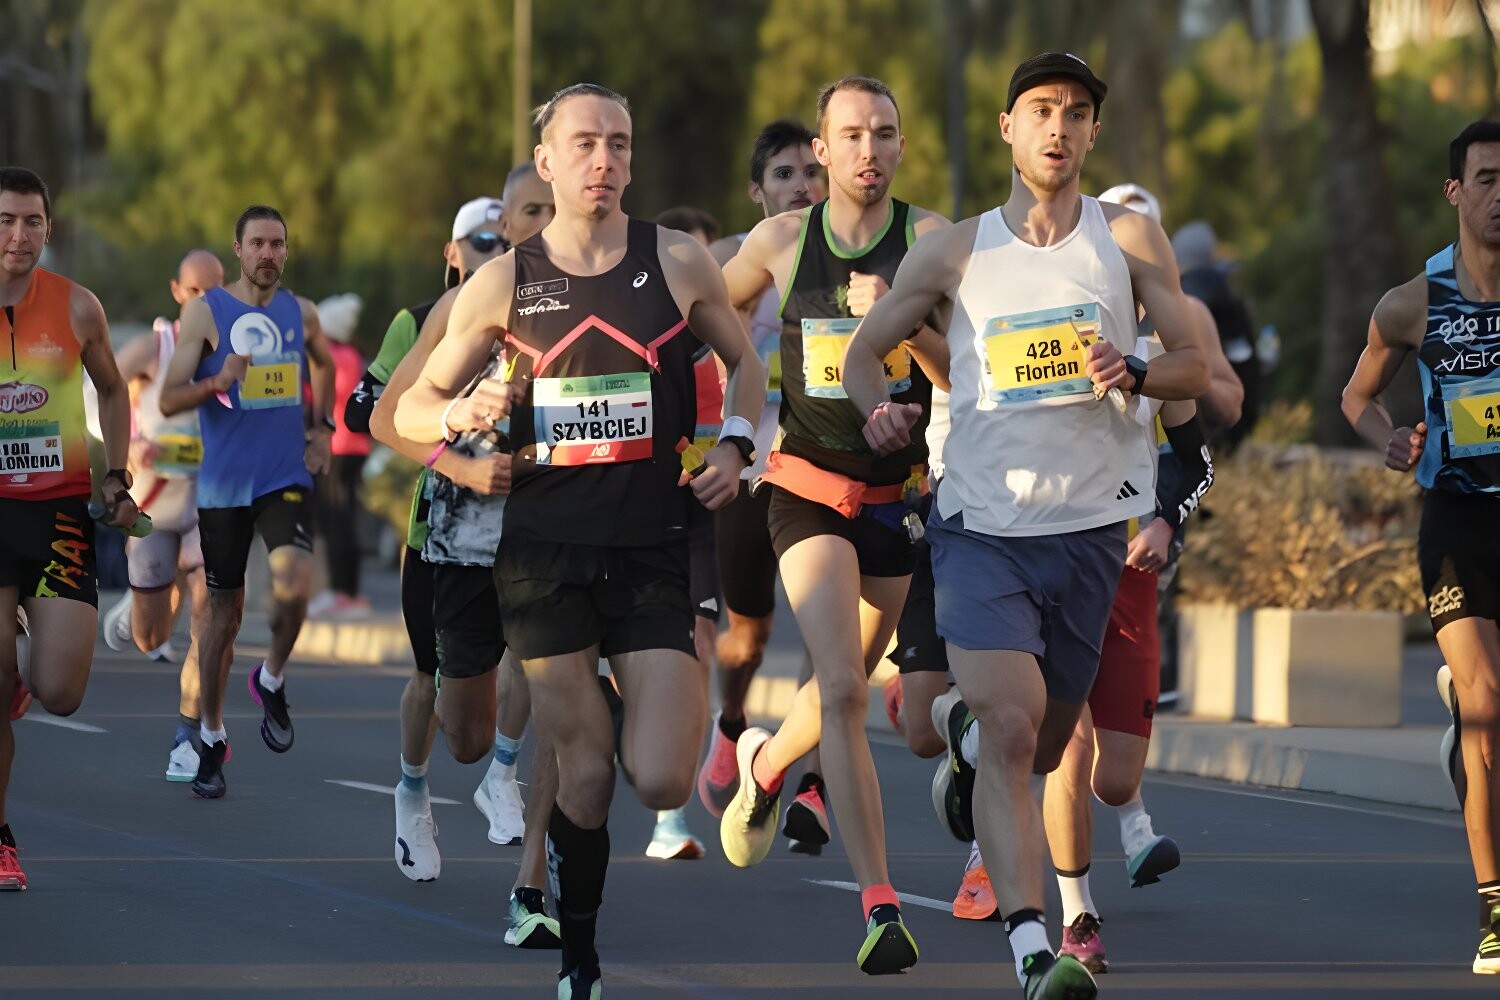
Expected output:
(607, 367)
(818, 422)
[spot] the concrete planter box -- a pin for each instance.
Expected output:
(1326, 668)
(1214, 661)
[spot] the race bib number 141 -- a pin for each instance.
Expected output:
(591, 419)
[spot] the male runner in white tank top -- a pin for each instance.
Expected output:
(1044, 465)
(164, 458)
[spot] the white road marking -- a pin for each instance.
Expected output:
(1416, 815)
(905, 897)
(366, 786)
(52, 720)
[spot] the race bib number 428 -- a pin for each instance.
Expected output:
(593, 419)
(1039, 355)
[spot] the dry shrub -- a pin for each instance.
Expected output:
(1296, 527)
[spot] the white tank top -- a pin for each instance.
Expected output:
(937, 432)
(1030, 450)
(178, 440)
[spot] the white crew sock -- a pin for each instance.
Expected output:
(1135, 826)
(270, 681)
(968, 746)
(1076, 899)
(211, 736)
(1028, 939)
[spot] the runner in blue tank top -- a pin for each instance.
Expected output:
(1450, 316)
(244, 353)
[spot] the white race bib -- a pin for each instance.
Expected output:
(592, 419)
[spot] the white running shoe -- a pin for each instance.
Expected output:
(165, 653)
(116, 625)
(416, 836)
(498, 797)
(672, 840)
(1445, 687)
(182, 764)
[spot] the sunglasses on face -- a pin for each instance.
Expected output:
(485, 242)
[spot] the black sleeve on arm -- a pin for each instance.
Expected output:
(1179, 498)
(362, 403)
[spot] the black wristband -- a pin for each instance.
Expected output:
(1137, 369)
(123, 475)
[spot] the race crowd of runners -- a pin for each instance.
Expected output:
(968, 446)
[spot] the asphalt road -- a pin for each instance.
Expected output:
(288, 887)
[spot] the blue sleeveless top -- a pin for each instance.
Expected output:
(1459, 362)
(254, 435)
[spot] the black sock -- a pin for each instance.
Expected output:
(732, 729)
(1489, 896)
(6, 840)
(577, 860)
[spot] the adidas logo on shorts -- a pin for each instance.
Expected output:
(1127, 491)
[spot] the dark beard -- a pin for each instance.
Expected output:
(866, 195)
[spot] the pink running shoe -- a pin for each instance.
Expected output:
(719, 777)
(1081, 940)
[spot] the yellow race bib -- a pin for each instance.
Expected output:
(1039, 355)
(1473, 410)
(272, 383)
(824, 342)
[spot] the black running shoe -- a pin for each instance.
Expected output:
(806, 820)
(582, 982)
(1057, 978)
(953, 782)
(209, 781)
(889, 947)
(276, 727)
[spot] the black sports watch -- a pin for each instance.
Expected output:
(1137, 369)
(745, 445)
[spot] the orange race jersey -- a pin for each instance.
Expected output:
(43, 445)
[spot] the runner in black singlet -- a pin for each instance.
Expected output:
(593, 313)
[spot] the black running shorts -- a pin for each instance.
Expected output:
(1458, 550)
(747, 562)
(876, 533)
(466, 620)
(919, 648)
(282, 518)
(416, 610)
(47, 548)
(559, 597)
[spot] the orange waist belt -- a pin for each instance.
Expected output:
(845, 495)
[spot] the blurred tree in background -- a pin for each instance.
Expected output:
(369, 121)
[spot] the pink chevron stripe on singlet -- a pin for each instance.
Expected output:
(647, 353)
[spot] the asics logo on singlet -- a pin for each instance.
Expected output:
(546, 305)
(21, 397)
(1445, 599)
(640, 279)
(255, 334)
